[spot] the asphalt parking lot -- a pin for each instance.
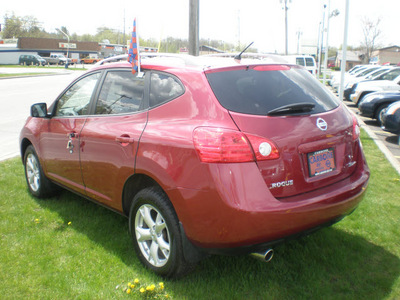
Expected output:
(388, 143)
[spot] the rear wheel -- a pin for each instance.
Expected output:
(156, 236)
(39, 185)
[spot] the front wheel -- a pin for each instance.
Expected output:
(155, 231)
(39, 185)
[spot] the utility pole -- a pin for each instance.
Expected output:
(194, 27)
(286, 7)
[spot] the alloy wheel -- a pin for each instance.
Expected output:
(33, 172)
(152, 235)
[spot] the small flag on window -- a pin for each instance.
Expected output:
(133, 53)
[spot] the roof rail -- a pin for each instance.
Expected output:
(186, 59)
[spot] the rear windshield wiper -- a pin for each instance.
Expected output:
(295, 108)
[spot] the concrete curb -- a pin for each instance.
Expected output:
(389, 156)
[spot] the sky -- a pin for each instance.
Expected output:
(232, 21)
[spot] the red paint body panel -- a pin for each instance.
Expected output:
(59, 163)
(108, 150)
(220, 205)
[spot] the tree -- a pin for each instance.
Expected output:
(371, 33)
(27, 26)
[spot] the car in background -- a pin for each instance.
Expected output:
(57, 59)
(391, 118)
(363, 88)
(375, 104)
(307, 61)
(203, 155)
(373, 74)
(335, 80)
(90, 60)
(31, 59)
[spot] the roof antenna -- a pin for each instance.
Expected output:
(239, 56)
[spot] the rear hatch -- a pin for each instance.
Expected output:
(313, 132)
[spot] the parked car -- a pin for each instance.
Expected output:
(365, 87)
(369, 74)
(391, 118)
(28, 59)
(203, 155)
(307, 61)
(58, 59)
(90, 60)
(335, 79)
(375, 104)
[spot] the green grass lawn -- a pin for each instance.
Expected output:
(68, 248)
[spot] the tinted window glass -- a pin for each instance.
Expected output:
(309, 62)
(300, 61)
(258, 92)
(390, 75)
(122, 92)
(164, 87)
(76, 99)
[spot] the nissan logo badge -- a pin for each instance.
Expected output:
(321, 124)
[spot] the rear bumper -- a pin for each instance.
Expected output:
(244, 214)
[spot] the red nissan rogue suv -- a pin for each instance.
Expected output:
(204, 155)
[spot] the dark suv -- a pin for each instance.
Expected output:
(31, 60)
(204, 155)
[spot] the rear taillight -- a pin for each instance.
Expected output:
(219, 145)
(356, 129)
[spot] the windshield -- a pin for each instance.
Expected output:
(261, 89)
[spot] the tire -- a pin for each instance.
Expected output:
(379, 113)
(38, 184)
(154, 228)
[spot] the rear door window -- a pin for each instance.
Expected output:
(261, 89)
(121, 92)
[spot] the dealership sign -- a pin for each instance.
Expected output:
(67, 45)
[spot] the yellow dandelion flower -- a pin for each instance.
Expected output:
(129, 284)
(142, 290)
(132, 286)
(161, 285)
(136, 281)
(37, 221)
(69, 223)
(128, 291)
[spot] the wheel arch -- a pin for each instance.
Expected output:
(25, 143)
(135, 184)
(362, 96)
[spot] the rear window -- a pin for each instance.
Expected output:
(261, 89)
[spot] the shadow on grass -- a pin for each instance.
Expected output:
(330, 264)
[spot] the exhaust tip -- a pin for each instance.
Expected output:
(264, 256)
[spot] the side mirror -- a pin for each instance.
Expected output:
(39, 110)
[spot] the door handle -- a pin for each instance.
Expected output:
(125, 139)
(72, 135)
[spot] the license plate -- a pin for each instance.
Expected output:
(321, 162)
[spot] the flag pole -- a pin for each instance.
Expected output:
(138, 51)
(133, 53)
